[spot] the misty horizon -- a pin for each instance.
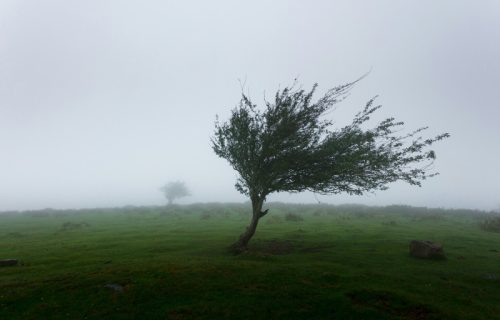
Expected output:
(101, 104)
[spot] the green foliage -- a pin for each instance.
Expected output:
(290, 146)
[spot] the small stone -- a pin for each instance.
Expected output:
(490, 276)
(115, 287)
(425, 249)
(8, 262)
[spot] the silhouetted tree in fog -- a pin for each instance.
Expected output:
(290, 146)
(174, 190)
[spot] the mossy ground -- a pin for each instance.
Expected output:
(345, 262)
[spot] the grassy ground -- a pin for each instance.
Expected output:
(345, 262)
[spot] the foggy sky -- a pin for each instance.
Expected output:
(103, 102)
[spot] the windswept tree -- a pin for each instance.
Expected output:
(174, 190)
(290, 146)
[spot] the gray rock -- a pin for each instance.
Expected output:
(490, 276)
(115, 287)
(8, 262)
(425, 249)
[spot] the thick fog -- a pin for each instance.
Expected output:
(103, 102)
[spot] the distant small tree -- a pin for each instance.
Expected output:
(290, 146)
(174, 190)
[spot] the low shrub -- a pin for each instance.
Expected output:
(205, 216)
(293, 217)
(389, 223)
(491, 224)
(73, 225)
(273, 219)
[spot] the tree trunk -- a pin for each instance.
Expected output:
(242, 244)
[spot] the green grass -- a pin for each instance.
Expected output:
(344, 262)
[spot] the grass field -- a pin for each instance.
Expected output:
(305, 262)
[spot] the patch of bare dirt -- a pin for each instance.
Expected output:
(316, 248)
(282, 247)
(278, 247)
(392, 304)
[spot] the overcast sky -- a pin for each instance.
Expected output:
(103, 102)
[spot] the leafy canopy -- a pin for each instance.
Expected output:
(174, 190)
(291, 146)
